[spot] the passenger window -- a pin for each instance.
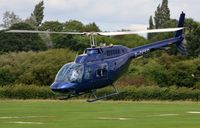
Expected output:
(98, 73)
(102, 71)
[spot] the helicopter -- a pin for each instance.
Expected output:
(101, 66)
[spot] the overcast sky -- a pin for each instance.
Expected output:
(108, 14)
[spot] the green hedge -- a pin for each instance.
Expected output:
(158, 93)
(128, 93)
(26, 92)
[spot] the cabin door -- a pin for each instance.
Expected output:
(101, 74)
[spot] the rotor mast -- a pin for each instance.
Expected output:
(93, 42)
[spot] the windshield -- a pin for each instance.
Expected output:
(70, 72)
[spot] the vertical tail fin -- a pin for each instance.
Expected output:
(180, 24)
(180, 46)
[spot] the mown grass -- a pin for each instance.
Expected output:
(110, 114)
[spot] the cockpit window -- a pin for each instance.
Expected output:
(70, 72)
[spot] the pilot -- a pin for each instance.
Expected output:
(74, 75)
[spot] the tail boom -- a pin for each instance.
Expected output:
(178, 40)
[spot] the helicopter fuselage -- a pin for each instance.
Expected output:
(101, 66)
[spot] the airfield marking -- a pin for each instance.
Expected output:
(168, 114)
(194, 112)
(112, 118)
(17, 117)
(21, 122)
(162, 115)
(121, 118)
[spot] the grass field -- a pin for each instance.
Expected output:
(110, 114)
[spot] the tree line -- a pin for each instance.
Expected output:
(36, 42)
(159, 68)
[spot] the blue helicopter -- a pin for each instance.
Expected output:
(101, 66)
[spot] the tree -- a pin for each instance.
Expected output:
(73, 25)
(165, 11)
(31, 21)
(130, 40)
(162, 15)
(184, 74)
(38, 13)
(193, 37)
(20, 42)
(157, 17)
(161, 20)
(65, 41)
(10, 18)
(51, 26)
(76, 43)
(68, 41)
(151, 26)
(91, 27)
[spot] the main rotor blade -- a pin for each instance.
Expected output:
(140, 32)
(45, 32)
(99, 33)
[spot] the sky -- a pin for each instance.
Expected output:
(109, 15)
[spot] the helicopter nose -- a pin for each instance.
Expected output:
(61, 87)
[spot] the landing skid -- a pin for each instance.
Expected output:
(96, 98)
(93, 94)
